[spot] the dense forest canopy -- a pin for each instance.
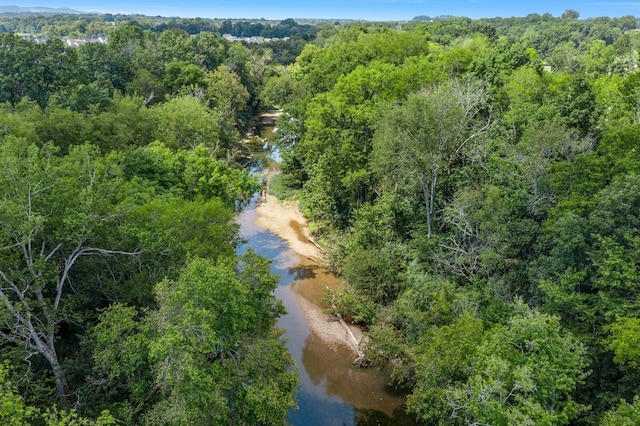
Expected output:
(122, 295)
(474, 182)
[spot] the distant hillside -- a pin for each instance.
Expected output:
(40, 10)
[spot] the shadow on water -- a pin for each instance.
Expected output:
(332, 391)
(303, 272)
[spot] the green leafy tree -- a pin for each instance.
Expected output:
(173, 46)
(32, 70)
(444, 358)
(211, 346)
(237, 59)
(598, 58)
(624, 341)
(624, 414)
(98, 63)
(495, 64)
(570, 14)
(63, 127)
(126, 125)
(55, 211)
(209, 49)
(180, 76)
(322, 68)
(423, 139)
(524, 373)
(339, 127)
(148, 86)
(282, 89)
(127, 38)
(577, 106)
(13, 409)
(204, 176)
(229, 98)
(592, 268)
(541, 145)
(185, 122)
(375, 273)
(15, 412)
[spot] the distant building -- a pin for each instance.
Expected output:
(71, 42)
(74, 42)
(254, 39)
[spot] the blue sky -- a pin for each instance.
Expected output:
(386, 10)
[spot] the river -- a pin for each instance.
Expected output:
(332, 391)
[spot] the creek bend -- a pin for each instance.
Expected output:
(332, 390)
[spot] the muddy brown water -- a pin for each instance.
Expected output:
(332, 391)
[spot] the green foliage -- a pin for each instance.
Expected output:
(493, 160)
(15, 412)
(148, 86)
(523, 373)
(127, 36)
(202, 176)
(625, 414)
(444, 358)
(228, 97)
(179, 76)
(323, 67)
(193, 174)
(95, 213)
(56, 211)
(13, 409)
(387, 344)
(419, 142)
(282, 89)
(339, 126)
(208, 354)
(185, 122)
(279, 188)
(595, 264)
(120, 354)
(36, 71)
(154, 163)
(497, 63)
(98, 63)
(623, 341)
(176, 228)
(454, 171)
(57, 417)
(353, 306)
(375, 273)
(577, 105)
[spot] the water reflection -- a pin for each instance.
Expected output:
(303, 272)
(333, 391)
(362, 388)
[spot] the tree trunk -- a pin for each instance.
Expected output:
(428, 191)
(427, 204)
(62, 386)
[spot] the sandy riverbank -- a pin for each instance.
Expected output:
(284, 219)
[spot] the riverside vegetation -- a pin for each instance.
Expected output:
(474, 182)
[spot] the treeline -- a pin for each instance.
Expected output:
(286, 28)
(57, 25)
(122, 298)
(78, 26)
(476, 186)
